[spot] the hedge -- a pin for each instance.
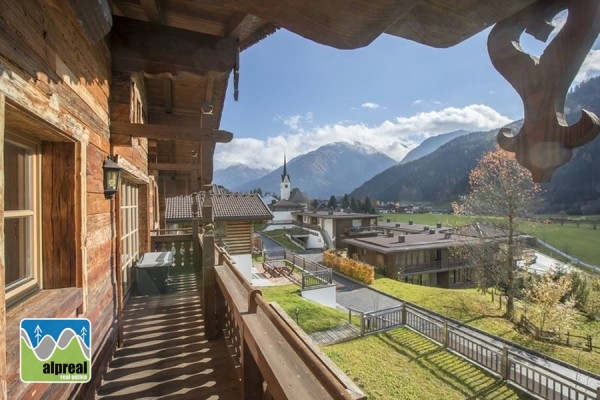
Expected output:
(355, 269)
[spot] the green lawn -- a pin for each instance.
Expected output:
(477, 310)
(312, 317)
(401, 364)
(414, 367)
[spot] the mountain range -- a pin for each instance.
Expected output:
(430, 145)
(333, 169)
(435, 171)
(236, 175)
(442, 175)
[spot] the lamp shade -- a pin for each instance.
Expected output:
(112, 177)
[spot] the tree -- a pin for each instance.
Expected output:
(502, 195)
(315, 204)
(547, 311)
(353, 204)
(346, 201)
(332, 202)
(368, 207)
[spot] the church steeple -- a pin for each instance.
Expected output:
(285, 185)
(284, 175)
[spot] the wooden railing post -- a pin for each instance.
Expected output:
(209, 286)
(362, 324)
(251, 379)
(445, 334)
(505, 364)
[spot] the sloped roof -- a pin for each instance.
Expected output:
(226, 206)
(286, 205)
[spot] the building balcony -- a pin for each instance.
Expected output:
(363, 230)
(211, 335)
(434, 266)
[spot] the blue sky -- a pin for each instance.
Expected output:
(297, 95)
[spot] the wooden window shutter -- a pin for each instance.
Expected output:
(58, 215)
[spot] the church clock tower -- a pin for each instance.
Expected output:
(285, 185)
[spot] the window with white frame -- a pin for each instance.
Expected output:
(130, 238)
(21, 215)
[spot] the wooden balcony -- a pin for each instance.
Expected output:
(211, 335)
(165, 352)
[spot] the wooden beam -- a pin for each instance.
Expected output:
(170, 132)
(138, 46)
(153, 11)
(173, 167)
(206, 160)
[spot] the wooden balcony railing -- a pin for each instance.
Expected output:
(274, 357)
(179, 243)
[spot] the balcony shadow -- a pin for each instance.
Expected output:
(165, 353)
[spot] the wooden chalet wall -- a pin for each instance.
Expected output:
(55, 86)
(238, 237)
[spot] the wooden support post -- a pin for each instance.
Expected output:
(251, 378)
(119, 272)
(211, 314)
(3, 367)
(209, 284)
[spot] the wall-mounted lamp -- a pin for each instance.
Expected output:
(112, 177)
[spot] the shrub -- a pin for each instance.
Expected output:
(355, 269)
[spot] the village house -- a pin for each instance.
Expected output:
(334, 226)
(423, 254)
(234, 217)
(109, 108)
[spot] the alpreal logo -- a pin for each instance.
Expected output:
(56, 350)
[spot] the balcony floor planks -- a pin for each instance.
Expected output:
(165, 354)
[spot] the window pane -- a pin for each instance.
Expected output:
(17, 177)
(18, 250)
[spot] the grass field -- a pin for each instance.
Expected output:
(401, 364)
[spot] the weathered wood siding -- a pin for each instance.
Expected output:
(57, 87)
(239, 237)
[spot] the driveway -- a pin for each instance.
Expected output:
(352, 295)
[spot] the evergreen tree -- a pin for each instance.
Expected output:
(332, 202)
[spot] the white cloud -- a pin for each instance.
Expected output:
(590, 67)
(370, 105)
(394, 138)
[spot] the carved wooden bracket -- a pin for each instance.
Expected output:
(545, 142)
